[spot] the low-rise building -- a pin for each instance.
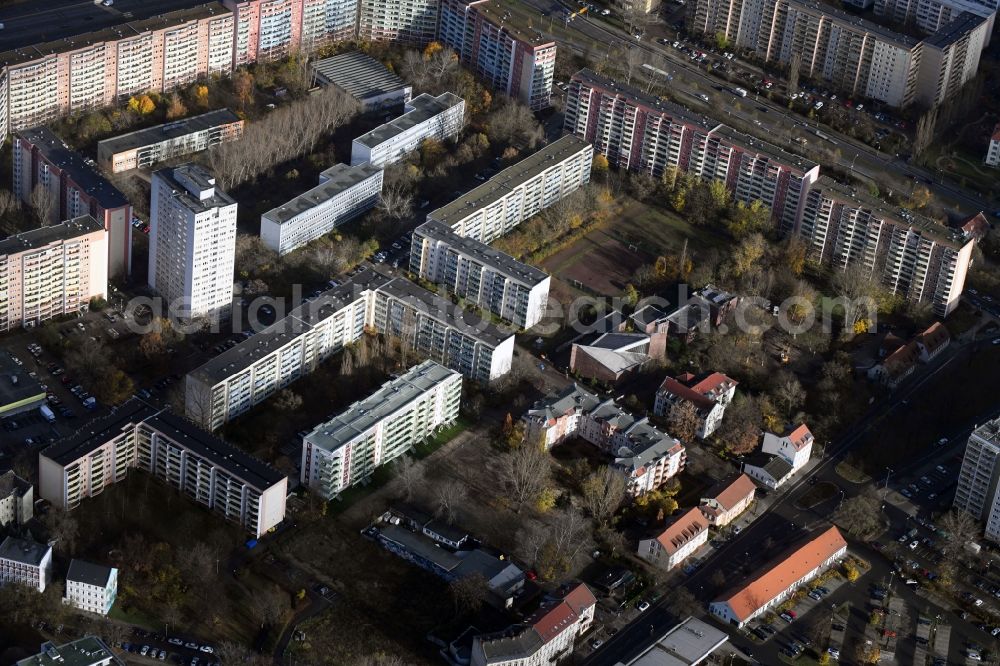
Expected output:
(86, 651)
(17, 500)
(68, 187)
(346, 450)
(51, 271)
(897, 366)
(207, 469)
(496, 282)
(343, 193)
(424, 117)
(775, 583)
(25, 563)
(363, 78)
(709, 395)
(690, 643)
(682, 538)
(542, 639)
(519, 191)
(91, 587)
(727, 500)
(934, 340)
(770, 471)
(647, 457)
(19, 391)
(993, 150)
(144, 148)
(611, 357)
(794, 446)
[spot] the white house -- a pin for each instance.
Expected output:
(682, 538)
(770, 587)
(710, 395)
(795, 447)
(731, 498)
(993, 152)
(91, 587)
(25, 562)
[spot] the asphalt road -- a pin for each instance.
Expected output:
(855, 156)
(785, 523)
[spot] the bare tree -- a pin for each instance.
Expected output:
(287, 401)
(468, 593)
(514, 124)
(45, 204)
(63, 528)
(410, 474)
(855, 293)
(568, 533)
(961, 525)
(683, 421)
(524, 473)
(789, 393)
(396, 202)
(449, 497)
(603, 493)
(269, 605)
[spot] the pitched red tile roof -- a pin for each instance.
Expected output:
(935, 337)
(976, 225)
(703, 393)
(800, 437)
(688, 526)
(551, 621)
(996, 133)
(713, 384)
(734, 492)
(783, 573)
(902, 359)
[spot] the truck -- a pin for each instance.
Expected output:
(47, 413)
(742, 92)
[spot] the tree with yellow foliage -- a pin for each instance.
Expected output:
(600, 162)
(143, 105)
(200, 95)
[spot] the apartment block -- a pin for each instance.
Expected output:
(424, 117)
(71, 187)
(91, 587)
(26, 563)
(770, 586)
(931, 15)
(86, 651)
(993, 151)
(726, 501)
(83, 70)
(512, 57)
(192, 243)
(344, 192)
(201, 466)
(709, 395)
(236, 380)
(519, 191)
(494, 281)
(363, 78)
(144, 148)
(849, 53)
(681, 539)
(647, 457)
(374, 431)
(52, 271)
(642, 133)
(906, 253)
(976, 492)
(17, 500)
(401, 21)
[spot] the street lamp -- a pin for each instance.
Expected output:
(885, 489)
(843, 493)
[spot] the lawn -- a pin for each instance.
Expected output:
(818, 494)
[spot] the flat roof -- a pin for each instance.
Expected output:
(495, 259)
(339, 177)
(97, 432)
(82, 171)
(81, 571)
(16, 385)
(752, 144)
(283, 331)
(31, 32)
(199, 177)
(168, 131)
(86, 651)
(42, 236)
(424, 107)
(360, 75)
(23, 551)
(504, 182)
(637, 96)
(518, 26)
(954, 30)
(690, 642)
(390, 398)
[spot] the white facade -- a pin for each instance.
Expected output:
(192, 243)
(931, 15)
(374, 431)
(343, 193)
(404, 21)
(518, 192)
(795, 447)
(206, 469)
(17, 500)
(679, 541)
(90, 587)
(424, 117)
(977, 490)
(993, 152)
(26, 563)
(494, 281)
